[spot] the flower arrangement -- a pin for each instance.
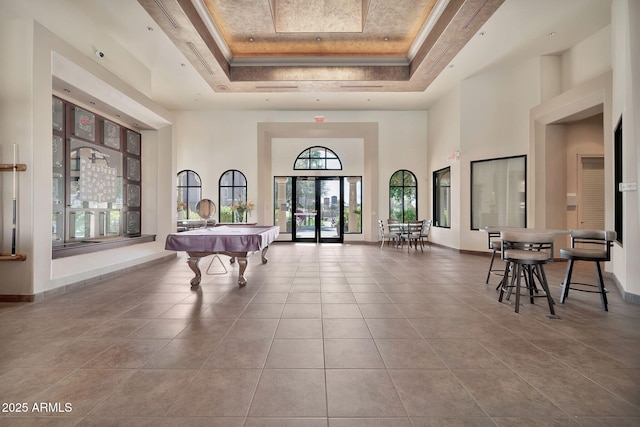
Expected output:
(181, 205)
(241, 207)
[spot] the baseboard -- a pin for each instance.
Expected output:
(627, 296)
(41, 296)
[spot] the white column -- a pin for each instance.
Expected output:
(353, 203)
(282, 203)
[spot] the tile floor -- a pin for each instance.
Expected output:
(327, 335)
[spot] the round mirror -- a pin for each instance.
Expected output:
(205, 208)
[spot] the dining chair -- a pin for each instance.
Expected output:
(593, 246)
(384, 236)
(525, 255)
(394, 231)
(424, 234)
(414, 234)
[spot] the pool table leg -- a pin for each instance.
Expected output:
(193, 265)
(242, 264)
(264, 254)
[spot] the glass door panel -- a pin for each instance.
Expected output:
(306, 211)
(318, 209)
(330, 202)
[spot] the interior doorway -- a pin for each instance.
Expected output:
(591, 193)
(318, 209)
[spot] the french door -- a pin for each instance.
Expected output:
(318, 209)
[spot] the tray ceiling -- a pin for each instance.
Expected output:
(320, 45)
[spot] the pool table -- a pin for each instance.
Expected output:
(236, 241)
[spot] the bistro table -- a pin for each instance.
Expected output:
(493, 233)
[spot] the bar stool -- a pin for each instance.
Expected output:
(495, 244)
(525, 254)
(600, 243)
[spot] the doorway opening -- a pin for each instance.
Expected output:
(318, 209)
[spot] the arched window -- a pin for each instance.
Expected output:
(315, 158)
(403, 196)
(232, 193)
(189, 191)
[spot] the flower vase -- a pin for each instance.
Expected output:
(241, 213)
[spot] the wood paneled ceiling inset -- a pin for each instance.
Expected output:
(313, 45)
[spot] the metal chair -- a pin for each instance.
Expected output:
(424, 234)
(594, 246)
(495, 244)
(393, 234)
(414, 234)
(525, 255)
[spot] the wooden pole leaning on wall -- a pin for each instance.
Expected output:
(14, 167)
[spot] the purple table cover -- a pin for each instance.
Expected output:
(223, 239)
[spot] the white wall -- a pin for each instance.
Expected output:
(444, 139)
(494, 110)
(626, 104)
(16, 110)
(211, 142)
(587, 60)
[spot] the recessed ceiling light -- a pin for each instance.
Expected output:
(552, 33)
(183, 64)
(149, 28)
(386, 39)
(92, 102)
(66, 90)
(481, 33)
(251, 39)
(318, 39)
(117, 115)
(451, 65)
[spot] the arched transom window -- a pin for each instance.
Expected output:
(315, 158)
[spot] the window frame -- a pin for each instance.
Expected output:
(404, 217)
(188, 202)
(324, 158)
(243, 193)
(437, 178)
(618, 179)
(496, 167)
(344, 182)
(74, 129)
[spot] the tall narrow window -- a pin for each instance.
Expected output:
(403, 196)
(499, 192)
(233, 203)
(618, 178)
(189, 191)
(442, 198)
